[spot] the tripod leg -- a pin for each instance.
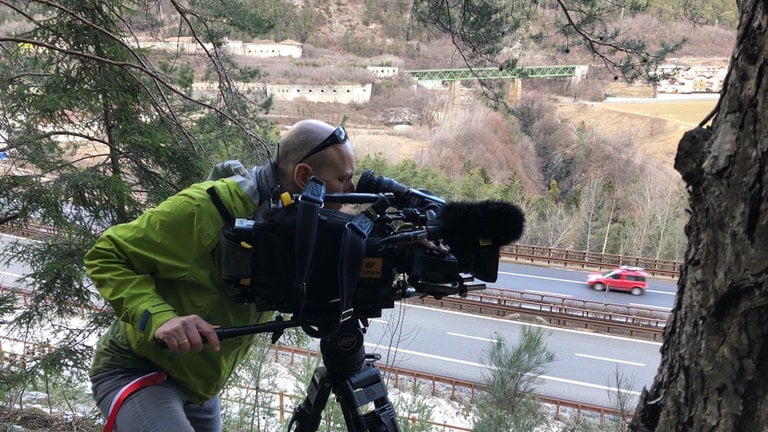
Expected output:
(307, 416)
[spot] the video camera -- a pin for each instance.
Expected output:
(325, 266)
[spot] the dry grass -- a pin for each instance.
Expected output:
(654, 127)
(34, 420)
(689, 113)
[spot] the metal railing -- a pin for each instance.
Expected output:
(562, 311)
(493, 73)
(401, 378)
(589, 260)
(449, 387)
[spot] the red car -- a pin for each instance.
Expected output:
(622, 278)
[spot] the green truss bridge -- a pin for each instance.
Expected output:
(516, 76)
(577, 72)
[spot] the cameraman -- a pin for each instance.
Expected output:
(161, 275)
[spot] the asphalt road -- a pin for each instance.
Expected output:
(9, 273)
(563, 282)
(453, 344)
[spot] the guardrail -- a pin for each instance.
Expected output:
(589, 260)
(27, 230)
(636, 321)
(439, 386)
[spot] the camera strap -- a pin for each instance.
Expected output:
(307, 214)
(352, 253)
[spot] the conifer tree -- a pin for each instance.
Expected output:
(97, 128)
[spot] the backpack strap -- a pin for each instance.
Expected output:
(352, 252)
(216, 199)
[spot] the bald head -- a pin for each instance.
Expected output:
(300, 139)
(334, 165)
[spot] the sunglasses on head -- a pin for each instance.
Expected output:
(338, 136)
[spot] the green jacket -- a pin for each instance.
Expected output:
(164, 264)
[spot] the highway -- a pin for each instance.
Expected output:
(455, 344)
(13, 271)
(563, 282)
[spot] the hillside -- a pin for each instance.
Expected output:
(352, 33)
(653, 127)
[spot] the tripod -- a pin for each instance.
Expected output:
(348, 372)
(355, 381)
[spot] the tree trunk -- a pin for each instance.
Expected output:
(714, 370)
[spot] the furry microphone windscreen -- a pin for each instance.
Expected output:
(475, 224)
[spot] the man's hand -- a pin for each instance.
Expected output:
(439, 247)
(186, 333)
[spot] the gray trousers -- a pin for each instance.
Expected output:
(155, 408)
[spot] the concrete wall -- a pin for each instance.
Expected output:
(382, 71)
(342, 93)
(272, 49)
(287, 48)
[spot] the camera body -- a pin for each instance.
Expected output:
(326, 266)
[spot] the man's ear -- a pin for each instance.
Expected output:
(301, 175)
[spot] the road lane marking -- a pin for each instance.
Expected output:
(4, 273)
(542, 277)
(547, 293)
(626, 362)
(485, 366)
(521, 323)
(590, 385)
(471, 337)
(433, 356)
(661, 308)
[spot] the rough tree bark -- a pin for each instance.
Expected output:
(714, 370)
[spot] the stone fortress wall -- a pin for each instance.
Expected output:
(260, 48)
(331, 93)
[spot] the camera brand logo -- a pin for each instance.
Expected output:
(346, 342)
(371, 268)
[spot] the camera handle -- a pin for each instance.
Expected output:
(275, 327)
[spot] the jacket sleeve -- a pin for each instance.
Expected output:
(129, 260)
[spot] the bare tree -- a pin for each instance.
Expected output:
(655, 204)
(591, 209)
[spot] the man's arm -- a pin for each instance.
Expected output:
(128, 259)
